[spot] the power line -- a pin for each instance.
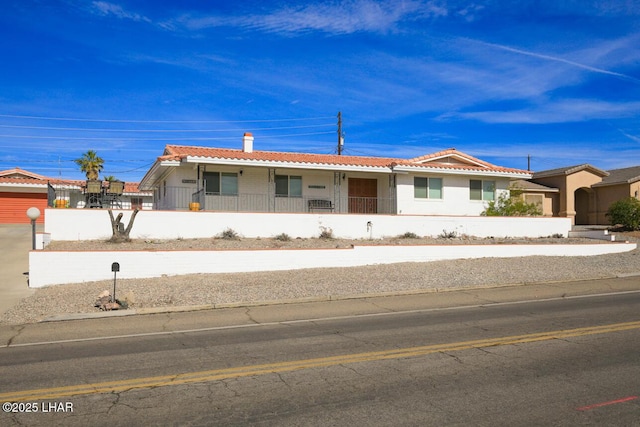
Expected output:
(159, 130)
(73, 119)
(79, 138)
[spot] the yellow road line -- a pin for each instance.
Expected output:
(253, 370)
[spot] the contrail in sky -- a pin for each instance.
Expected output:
(556, 59)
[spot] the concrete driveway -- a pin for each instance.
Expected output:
(15, 240)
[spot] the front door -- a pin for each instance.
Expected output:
(363, 195)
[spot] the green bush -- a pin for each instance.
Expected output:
(625, 213)
(511, 204)
(283, 237)
(409, 235)
(229, 234)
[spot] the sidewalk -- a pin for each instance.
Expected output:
(15, 243)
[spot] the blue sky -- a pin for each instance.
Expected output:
(557, 80)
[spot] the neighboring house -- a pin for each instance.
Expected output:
(445, 183)
(585, 193)
(617, 185)
(21, 189)
(546, 198)
(576, 197)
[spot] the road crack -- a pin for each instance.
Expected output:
(19, 330)
(247, 313)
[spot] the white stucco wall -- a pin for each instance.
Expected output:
(253, 187)
(90, 224)
(455, 196)
(53, 267)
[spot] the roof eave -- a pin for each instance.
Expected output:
(23, 184)
(285, 165)
(153, 175)
(462, 158)
(622, 182)
(453, 171)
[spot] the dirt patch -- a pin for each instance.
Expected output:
(294, 243)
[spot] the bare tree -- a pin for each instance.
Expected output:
(120, 233)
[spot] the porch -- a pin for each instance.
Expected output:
(181, 198)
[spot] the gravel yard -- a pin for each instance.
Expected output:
(291, 243)
(206, 289)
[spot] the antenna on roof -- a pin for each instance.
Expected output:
(340, 135)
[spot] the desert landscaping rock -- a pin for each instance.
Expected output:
(210, 289)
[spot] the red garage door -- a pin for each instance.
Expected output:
(13, 207)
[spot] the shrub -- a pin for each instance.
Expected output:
(229, 234)
(409, 235)
(511, 204)
(448, 234)
(625, 213)
(326, 233)
(283, 237)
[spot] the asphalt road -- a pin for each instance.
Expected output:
(520, 356)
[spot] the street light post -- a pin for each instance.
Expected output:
(33, 214)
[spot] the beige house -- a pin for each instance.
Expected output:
(547, 198)
(618, 185)
(583, 193)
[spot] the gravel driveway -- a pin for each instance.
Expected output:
(209, 289)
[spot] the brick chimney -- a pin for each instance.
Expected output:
(247, 142)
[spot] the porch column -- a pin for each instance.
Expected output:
(271, 190)
(336, 192)
(393, 205)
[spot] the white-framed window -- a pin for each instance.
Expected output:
(427, 188)
(220, 183)
(482, 190)
(288, 186)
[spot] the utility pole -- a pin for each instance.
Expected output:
(340, 138)
(529, 162)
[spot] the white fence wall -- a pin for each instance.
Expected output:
(91, 224)
(59, 267)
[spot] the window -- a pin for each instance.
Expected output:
(482, 190)
(136, 203)
(536, 199)
(427, 188)
(288, 186)
(223, 183)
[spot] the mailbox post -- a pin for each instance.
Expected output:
(115, 267)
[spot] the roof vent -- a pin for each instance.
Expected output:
(247, 142)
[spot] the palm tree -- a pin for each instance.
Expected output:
(90, 164)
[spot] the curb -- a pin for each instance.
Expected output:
(328, 298)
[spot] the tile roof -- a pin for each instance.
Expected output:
(439, 160)
(621, 176)
(533, 186)
(568, 170)
(21, 177)
(20, 173)
(178, 152)
(444, 157)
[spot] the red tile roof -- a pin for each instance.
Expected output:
(22, 177)
(178, 152)
(436, 160)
